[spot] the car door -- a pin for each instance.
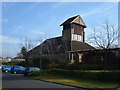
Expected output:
(22, 69)
(17, 69)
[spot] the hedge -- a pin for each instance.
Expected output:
(107, 76)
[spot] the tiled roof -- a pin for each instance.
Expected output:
(76, 19)
(81, 46)
(69, 20)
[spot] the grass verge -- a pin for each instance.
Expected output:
(78, 82)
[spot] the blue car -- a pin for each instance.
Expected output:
(17, 69)
(1, 66)
(6, 68)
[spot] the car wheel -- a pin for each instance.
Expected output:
(6, 70)
(14, 72)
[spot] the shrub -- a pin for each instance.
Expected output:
(35, 73)
(108, 76)
(85, 66)
(14, 63)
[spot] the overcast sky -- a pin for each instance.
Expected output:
(34, 20)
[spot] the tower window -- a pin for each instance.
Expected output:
(79, 37)
(76, 37)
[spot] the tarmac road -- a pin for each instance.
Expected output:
(20, 81)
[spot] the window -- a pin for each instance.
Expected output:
(76, 37)
(22, 67)
(17, 66)
(79, 38)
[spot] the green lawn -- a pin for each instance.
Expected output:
(77, 82)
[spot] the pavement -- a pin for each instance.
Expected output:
(20, 81)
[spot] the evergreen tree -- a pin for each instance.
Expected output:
(24, 52)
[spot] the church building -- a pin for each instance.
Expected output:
(56, 49)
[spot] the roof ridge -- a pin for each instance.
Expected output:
(75, 19)
(54, 37)
(70, 19)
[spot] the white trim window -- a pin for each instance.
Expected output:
(76, 37)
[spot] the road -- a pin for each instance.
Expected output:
(20, 81)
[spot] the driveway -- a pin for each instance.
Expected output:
(20, 81)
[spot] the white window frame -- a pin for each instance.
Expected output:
(76, 37)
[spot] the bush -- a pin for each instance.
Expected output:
(14, 63)
(56, 65)
(22, 63)
(35, 73)
(84, 66)
(108, 76)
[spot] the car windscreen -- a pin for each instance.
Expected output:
(17, 66)
(34, 69)
(8, 67)
(21, 67)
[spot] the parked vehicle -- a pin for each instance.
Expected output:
(28, 70)
(17, 69)
(6, 68)
(1, 66)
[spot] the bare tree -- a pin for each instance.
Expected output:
(25, 46)
(19, 55)
(28, 44)
(104, 36)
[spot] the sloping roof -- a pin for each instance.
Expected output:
(69, 20)
(76, 19)
(81, 46)
(55, 38)
(53, 43)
